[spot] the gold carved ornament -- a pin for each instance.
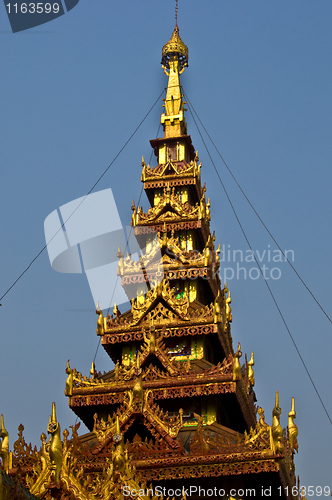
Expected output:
(139, 402)
(277, 432)
(292, 429)
(169, 208)
(5, 454)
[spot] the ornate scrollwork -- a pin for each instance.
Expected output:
(23, 453)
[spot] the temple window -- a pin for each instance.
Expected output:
(173, 151)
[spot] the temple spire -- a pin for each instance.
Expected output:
(174, 61)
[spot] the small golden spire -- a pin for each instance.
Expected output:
(216, 309)
(4, 446)
(277, 433)
(120, 270)
(53, 413)
(251, 375)
(237, 365)
(55, 449)
(118, 430)
(292, 428)
(69, 381)
(100, 321)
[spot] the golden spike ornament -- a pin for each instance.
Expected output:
(100, 321)
(137, 391)
(251, 375)
(44, 456)
(118, 456)
(93, 372)
(134, 216)
(4, 447)
(143, 176)
(116, 311)
(207, 252)
(227, 316)
(69, 381)
(121, 263)
(292, 429)
(216, 309)
(55, 450)
(237, 364)
(277, 432)
(208, 212)
(218, 257)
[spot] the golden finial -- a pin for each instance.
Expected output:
(120, 269)
(69, 381)
(134, 217)
(118, 430)
(118, 455)
(218, 255)
(251, 376)
(175, 47)
(137, 390)
(277, 433)
(4, 446)
(93, 369)
(53, 416)
(176, 12)
(100, 320)
(292, 428)
(237, 364)
(216, 309)
(261, 422)
(55, 452)
(227, 315)
(207, 252)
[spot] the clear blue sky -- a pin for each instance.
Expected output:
(73, 91)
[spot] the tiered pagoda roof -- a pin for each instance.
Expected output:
(178, 410)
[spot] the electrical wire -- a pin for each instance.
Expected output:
(95, 184)
(259, 267)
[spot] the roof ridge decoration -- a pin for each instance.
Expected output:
(259, 447)
(171, 168)
(138, 403)
(40, 475)
(123, 374)
(180, 211)
(175, 257)
(162, 291)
